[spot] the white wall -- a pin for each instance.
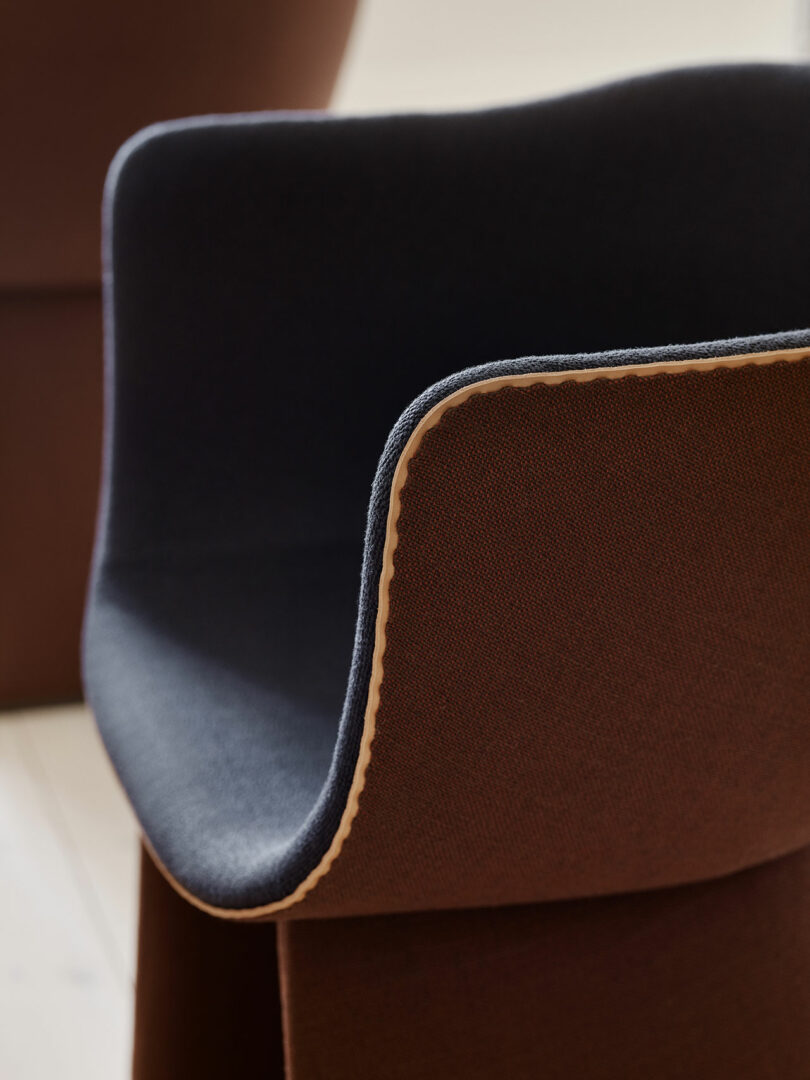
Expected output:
(424, 54)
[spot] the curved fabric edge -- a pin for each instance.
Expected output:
(404, 442)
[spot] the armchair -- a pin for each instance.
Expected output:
(512, 758)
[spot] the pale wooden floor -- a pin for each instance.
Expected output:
(68, 872)
(68, 843)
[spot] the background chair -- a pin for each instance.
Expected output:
(75, 81)
(538, 803)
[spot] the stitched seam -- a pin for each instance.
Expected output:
(427, 423)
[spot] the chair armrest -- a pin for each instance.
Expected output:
(590, 667)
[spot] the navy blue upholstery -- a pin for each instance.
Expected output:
(286, 293)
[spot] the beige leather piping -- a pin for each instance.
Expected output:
(429, 420)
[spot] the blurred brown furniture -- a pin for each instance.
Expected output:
(75, 82)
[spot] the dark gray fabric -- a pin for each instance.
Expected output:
(278, 290)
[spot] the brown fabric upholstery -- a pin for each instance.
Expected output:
(708, 981)
(207, 1003)
(595, 674)
(76, 80)
(50, 434)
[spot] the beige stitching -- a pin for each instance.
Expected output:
(428, 421)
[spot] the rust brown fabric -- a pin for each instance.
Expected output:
(708, 981)
(596, 674)
(76, 80)
(207, 1001)
(50, 449)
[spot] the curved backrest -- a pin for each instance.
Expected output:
(292, 285)
(582, 635)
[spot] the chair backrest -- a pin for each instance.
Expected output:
(591, 637)
(293, 284)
